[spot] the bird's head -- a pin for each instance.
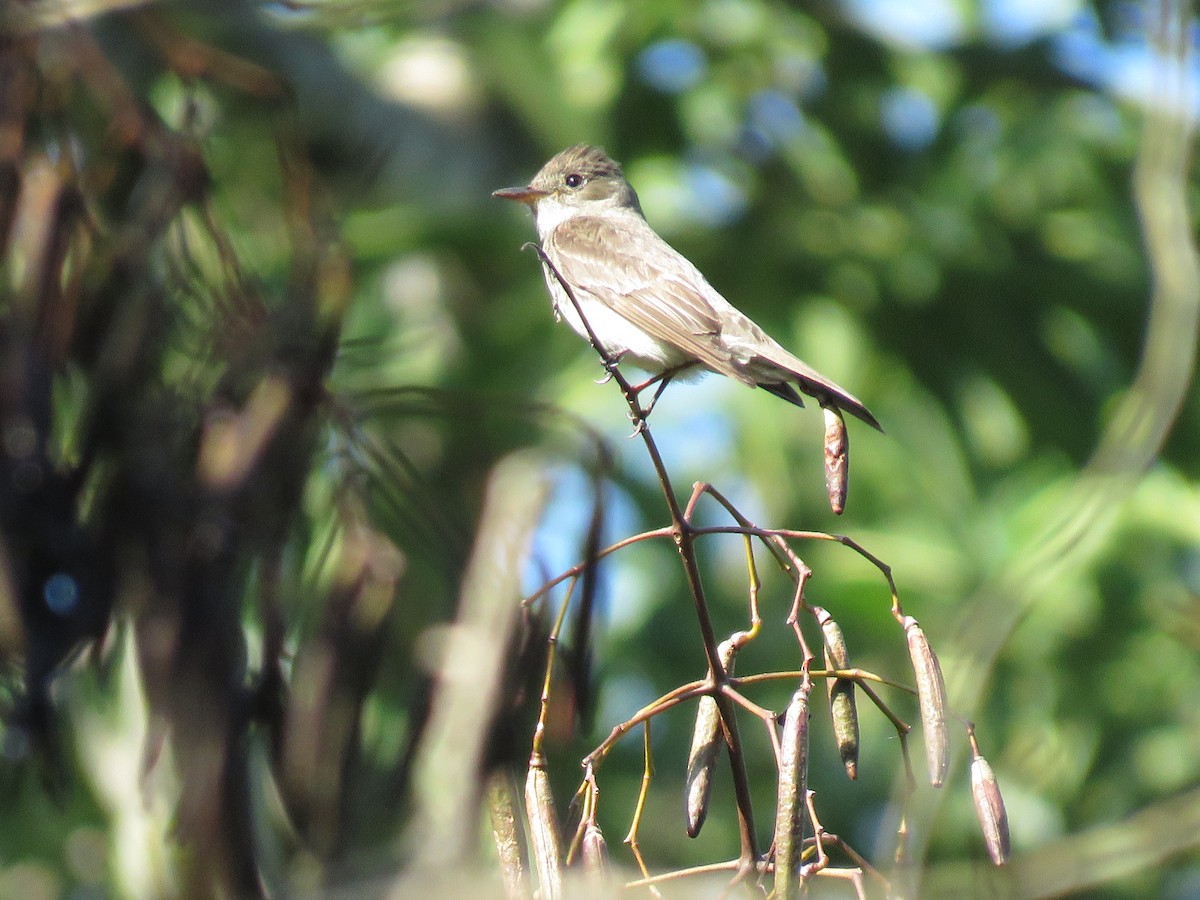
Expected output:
(581, 180)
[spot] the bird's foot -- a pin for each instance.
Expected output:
(610, 367)
(662, 380)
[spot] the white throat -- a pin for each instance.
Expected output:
(552, 212)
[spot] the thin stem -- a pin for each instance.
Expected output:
(662, 704)
(631, 838)
(539, 731)
(576, 570)
(731, 865)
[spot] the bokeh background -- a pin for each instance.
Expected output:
(977, 216)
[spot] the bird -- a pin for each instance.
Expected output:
(644, 301)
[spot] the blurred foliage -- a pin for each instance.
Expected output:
(279, 213)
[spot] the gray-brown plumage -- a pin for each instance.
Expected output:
(644, 301)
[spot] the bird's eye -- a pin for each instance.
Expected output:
(574, 180)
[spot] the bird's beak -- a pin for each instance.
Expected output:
(530, 195)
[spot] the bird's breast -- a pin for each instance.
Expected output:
(617, 335)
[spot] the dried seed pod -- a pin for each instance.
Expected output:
(793, 787)
(705, 751)
(837, 459)
(543, 832)
(503, 808)
(702, 762)
(931, 697)
(594, 850)
(989, 808)
(844, 713)
(842, 707)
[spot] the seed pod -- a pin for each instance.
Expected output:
(543, 832)
(842, 707)
(989, 808)
(931, 697)
(705, 752)
(504, 809)
(595, 850)
(837, 459)
(793, 787)
(702, 762)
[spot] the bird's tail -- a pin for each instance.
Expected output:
(826, 392)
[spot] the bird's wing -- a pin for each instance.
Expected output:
(638, 275)
(643, 279)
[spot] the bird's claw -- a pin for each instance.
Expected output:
(638, 417)
(610, 364)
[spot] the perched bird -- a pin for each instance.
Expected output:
(643, 300)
